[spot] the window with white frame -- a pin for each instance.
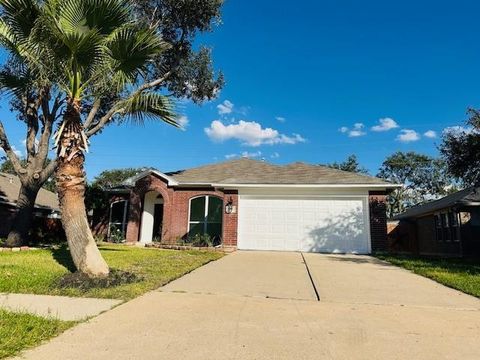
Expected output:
(205, 217)
(118, 220)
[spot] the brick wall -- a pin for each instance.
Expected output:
(378, 220)
(175, 210)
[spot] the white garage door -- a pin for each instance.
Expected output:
(331, 225)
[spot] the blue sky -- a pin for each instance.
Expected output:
(308, 80)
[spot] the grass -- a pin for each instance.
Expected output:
(460, 274)
(38, 271)
(19, 331)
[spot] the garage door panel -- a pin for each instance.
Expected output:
(299, 224)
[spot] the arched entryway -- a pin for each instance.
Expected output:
(152, 217)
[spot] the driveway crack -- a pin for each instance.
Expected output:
(317, 295)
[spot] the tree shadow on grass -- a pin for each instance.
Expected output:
(115, 250)
(62, 256)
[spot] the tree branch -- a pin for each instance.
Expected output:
(44, 142)
(31, 112)
(102, 122)
(5, 144)
(169, 73)
(155, 82)
(92, 113)
(48, 171)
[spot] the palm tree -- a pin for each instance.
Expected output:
(95, 53)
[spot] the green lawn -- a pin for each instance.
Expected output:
(37, 271)
(19, 331)
(460, 274)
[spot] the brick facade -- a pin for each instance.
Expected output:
(176, 203)
(378, 220)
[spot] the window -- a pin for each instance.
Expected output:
(118, 220)
(206, 217)
(454, 226)
(447, 226)
(446, 230)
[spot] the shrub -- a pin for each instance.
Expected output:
(116, 234)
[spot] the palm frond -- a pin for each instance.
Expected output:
(20, 15)
(129, 51)
(106, 15)
(13, 84)
(142, 106)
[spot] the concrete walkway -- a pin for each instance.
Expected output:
(60, 307)
(225, 310)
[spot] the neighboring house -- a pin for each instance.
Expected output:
(254, 205)
(446, 227)
(46, 204)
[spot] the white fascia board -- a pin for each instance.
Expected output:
(170, 180)
(135, 179)
(318, 186)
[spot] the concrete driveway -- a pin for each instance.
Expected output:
(262, 305)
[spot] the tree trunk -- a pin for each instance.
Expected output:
(70, 179)
(22, 222)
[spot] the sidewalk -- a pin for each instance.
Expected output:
(60, 307)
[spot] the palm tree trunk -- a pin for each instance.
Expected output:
(22, 222)
(70, 179)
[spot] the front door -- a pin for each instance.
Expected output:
(157, 222)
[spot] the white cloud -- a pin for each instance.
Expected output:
(244, 154)
(407, 135)
(356, 131)
(385, 124)
(225, 108)
(275, 155)
(280, 119)
(430, 134)
(249, 133)
(183, 121)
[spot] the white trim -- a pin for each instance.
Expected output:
(205, 214)
(124, 217)
(170, 180)
(132, 181)
(150, 199)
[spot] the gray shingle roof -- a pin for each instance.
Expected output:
(466, 197)
(248, 171)
(10, 186)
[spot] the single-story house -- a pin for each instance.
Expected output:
(448, 227)
(254, 205)
(46, 204)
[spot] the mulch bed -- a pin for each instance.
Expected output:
(82, 281)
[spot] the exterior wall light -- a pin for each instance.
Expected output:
(230, 208)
